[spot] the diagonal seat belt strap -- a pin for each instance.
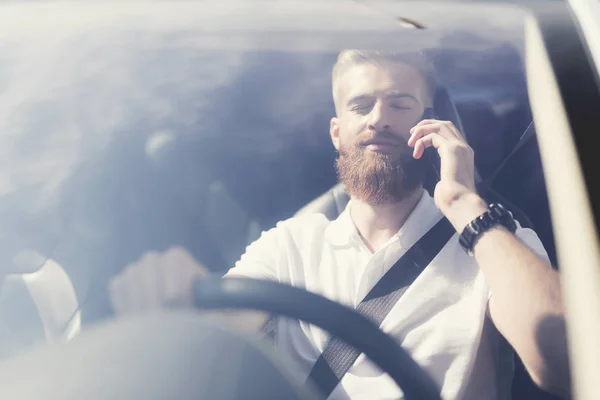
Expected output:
(338, 357)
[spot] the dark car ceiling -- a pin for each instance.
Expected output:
(128, 118)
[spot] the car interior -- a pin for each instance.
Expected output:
(125, 135)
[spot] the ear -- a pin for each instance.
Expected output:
(334, 132)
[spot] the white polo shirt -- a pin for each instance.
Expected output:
(439, 320)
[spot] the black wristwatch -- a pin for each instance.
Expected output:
(495, 215)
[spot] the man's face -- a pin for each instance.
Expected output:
(377, 106)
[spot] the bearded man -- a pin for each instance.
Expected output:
(494, 283)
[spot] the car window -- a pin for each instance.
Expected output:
(132, 128)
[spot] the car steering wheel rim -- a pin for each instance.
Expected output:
(339, 320)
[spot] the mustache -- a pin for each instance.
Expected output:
(381, 137)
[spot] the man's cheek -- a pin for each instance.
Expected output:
(409, 122)
(347, 142)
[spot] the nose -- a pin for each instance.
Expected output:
(378, 118)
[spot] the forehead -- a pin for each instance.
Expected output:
(375, 80)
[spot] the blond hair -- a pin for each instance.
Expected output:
(417, 60)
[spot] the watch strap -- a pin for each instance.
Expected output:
(496, 214)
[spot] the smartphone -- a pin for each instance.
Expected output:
(428, 113)
(431, 154)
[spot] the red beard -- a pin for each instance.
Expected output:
(378, 178)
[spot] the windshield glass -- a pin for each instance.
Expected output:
(132, 128)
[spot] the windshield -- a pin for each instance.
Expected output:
(132, 128)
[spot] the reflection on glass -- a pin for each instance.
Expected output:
(125, 138)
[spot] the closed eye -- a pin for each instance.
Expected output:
(400, 107)
(361, 109)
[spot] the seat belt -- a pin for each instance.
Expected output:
(338, 357)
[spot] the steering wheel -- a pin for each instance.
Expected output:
(339, 320)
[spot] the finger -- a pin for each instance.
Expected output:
(180, 271)
(456, 157)
(115, 295)
(434, 140)
(454, 130)
(425, 130)
(142, 281)
(171, 272)
(131, 288)
(425, 122)
(443, 128)
(150, 283)
(421, 123)
(447, 126)
(182, 257)
(120, 294)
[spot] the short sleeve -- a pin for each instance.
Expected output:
(263, 258)
(531, 240)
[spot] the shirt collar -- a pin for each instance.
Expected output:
(343, 232)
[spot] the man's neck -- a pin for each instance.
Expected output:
(376, 224)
